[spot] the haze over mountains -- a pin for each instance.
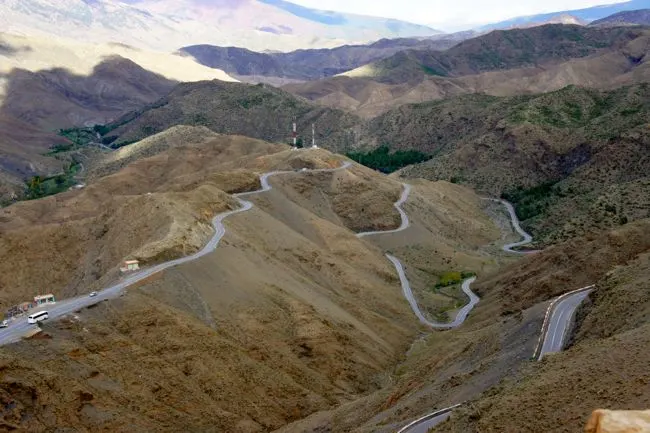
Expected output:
(167, 25)
(585, 15)
(639, 17)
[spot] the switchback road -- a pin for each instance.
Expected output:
(429, 421)
(18, 328)
(527, 238)
(406, 285)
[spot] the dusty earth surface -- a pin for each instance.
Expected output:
(294, 324)
(291, 315)
(487, 361)
(605, 367)
(156, 208)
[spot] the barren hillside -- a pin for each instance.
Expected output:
(573, 161)
(307, 64)
(317, 324)
(487, 361)
(259, 111)
(609, 68)
(639, 17)
(606, 364)
(74, 84)
(499, 50)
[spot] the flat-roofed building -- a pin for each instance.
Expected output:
(44, 299)
(130, 266)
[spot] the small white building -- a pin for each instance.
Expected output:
(130, 266)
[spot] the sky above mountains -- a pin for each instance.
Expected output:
(451, 15)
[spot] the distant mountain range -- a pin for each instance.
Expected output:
(168, 25)
(305, 64)
(498, 50)
(639, 17)
(585, 15)
(501, 63)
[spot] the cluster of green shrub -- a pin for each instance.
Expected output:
(530, 202)
(384, 160)
(451, 278)
(79, 136)
(38, 187)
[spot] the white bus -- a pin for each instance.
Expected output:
(37, 317)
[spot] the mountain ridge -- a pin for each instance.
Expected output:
(258, 111)
(306, 64)
(584, 153)
(168, 25)
(500, 49)
(606, 68)
(639, 17)
(588, 14)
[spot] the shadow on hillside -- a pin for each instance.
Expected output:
(37, 105)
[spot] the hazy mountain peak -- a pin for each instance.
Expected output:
(635, 17)
(167, 25)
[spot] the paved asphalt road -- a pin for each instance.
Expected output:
(560, 322)
(397, 205)
(19, 327)
(527, 238)
(406, 286)
(431, 420)
(423, 426)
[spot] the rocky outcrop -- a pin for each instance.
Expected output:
(618, 421)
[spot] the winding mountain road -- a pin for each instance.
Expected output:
(19, 328)
(422, 425)
(558, 323)
(406, 285)
(406, 190)
(427, 422)
(562, 311)
(527, 238)
(554, 331)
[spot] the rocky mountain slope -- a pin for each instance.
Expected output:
(639, 17)
(588, 14)
(611, 330)
(259, 111)
(574, 160)
(309, 64)
(168, 25)
(317, 324)
(487, 364)
(604, 68)
(115, 86)
(311, 352)
(75, 84)
(498, 50)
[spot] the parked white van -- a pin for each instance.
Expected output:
(37, 317)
